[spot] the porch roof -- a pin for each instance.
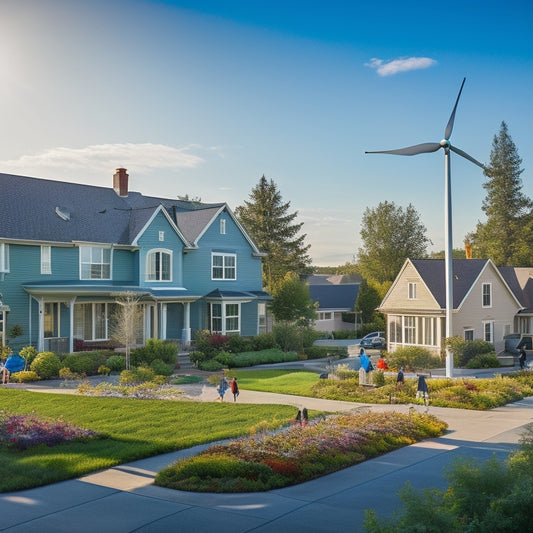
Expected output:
(108, 288)
(217, 294)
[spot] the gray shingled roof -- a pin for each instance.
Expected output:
(96, 214)
(338, 297)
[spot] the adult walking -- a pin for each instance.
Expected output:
(400, 379)
(522, 358)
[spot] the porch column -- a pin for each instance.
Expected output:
(71, 330)
(186, 331)
(163, 335)
(40, 336)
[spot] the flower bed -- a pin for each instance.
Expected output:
(25, 431)
(298, 454)
(144, 391)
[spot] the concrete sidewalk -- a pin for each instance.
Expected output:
(123, 499)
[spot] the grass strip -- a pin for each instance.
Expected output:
(134, 429)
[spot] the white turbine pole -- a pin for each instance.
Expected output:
(448, 261)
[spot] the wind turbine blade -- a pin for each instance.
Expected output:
(466, 156)
(424, 148)
(449, 127)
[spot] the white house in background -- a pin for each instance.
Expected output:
(335, 295)
(489, 302)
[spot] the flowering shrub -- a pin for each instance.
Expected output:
(144, 391)
(298, 454)
(25, 431)
(24, 376)
(67, 374)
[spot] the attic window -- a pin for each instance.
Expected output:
(63, 213)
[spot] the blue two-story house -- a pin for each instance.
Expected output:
(68, 251)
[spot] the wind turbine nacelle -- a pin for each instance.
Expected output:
(445, 143)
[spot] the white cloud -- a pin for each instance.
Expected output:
(404, 64)
(102, 158)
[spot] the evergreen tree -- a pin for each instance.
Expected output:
(268, 221)
(390, 235)
(505, 236)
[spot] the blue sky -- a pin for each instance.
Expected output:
(204, 97)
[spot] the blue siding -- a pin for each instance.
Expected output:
(150, 240)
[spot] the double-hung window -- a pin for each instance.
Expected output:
(225, 318)
(411, 291)
(91, 320)
(95, 262)
(159, 265)
(486, 294)
(223, 266)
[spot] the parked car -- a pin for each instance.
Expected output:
(375, 340)
(526, 342)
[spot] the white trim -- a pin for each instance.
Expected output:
(101, 248)
(157, 210)
(483, 285)
(223, 255)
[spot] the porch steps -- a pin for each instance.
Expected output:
(185, 362)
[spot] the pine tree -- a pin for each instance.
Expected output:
(267, 219)
(501, 237)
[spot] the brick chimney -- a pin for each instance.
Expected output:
(120, 182)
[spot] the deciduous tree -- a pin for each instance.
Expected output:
(390, 235)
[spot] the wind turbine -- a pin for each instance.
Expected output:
(425, 148)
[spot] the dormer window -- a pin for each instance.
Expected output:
(159, 265)
(95, 262)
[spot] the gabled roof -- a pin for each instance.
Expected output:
(335, 297)
(465, 273)
(43, 210)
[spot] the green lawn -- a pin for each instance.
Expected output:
(134, 429)
(297, 382)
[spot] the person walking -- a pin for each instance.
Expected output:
(522, 358)
(422, 389)
(4, 371)
(222, 388)
(234, 389)
(400, 379)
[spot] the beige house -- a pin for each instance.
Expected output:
(489, 302)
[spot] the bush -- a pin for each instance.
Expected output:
(413, 358)
(263, 341)
(226, 359)
(320, 352)
(463, 350)
(24, 376)
(155, 349)
(46, 365)
(346, 334)
(116, 363)
(488, 360)
(66, 374)
(210, 366)
(104, 370)
(29, 353)
(161, 368)
(197, 358)
(80, 363)
(293, 338)
(137, 375)
(236, 344)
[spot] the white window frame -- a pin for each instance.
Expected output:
(46, 259)
(151, 273)
(411, 291)
(486, 295)
(224, 317)
(470, 332)
(54, 312)
(4, 258)
(261, 317)
(94, 261)
(488, 331)
(161, 236)
(222, 226)
(225, 268)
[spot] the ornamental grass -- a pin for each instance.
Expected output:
(298, 454)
